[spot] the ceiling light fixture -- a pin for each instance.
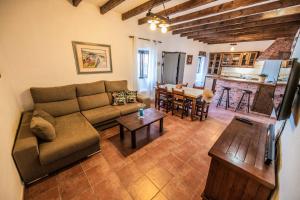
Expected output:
(163, 22)
(232, 46)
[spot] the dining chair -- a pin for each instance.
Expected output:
(202, 106)
(164, 99)
(179, 102)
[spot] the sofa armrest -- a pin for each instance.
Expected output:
(144, 99)
(26, 153)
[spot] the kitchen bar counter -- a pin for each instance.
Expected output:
(220, 77)
(261, 97)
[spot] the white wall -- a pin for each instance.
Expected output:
(11, 187)
(176, 43)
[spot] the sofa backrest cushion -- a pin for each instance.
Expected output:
(116, 86)
(92, 95)
(57, 101)
(93, 101)
(87, 89)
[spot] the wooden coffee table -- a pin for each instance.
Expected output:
(133, 123)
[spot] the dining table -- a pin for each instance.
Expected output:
(191, 93)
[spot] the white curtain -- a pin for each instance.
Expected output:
(145, 85)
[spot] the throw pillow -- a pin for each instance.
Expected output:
(119, 98)
(46, 116)
(131, 96)
(42, 129)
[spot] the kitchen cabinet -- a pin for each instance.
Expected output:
(236, 59)
(214, 63)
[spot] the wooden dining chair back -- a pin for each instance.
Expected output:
(163, 98)
(202, 106)
(179, 102)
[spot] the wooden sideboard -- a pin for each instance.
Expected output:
(237, 169)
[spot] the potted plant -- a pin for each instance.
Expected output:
(262, 77)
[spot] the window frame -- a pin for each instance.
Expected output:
(141, 54)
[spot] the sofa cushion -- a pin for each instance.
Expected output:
(56, 101)
(51, 94)
(98, 115)
(87, 89)
(93, 101)
(43, 114)
(131, 96)
(128, 108)
(114, 86)
(119, 98)
(73, 133)
(42, 129)
(59, 108)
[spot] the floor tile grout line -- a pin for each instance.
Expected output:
(87, 179)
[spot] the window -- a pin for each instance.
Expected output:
(143, 60)
(200, 64)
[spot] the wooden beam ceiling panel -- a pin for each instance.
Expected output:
(285, 12)
(110, 5)
(273, 29)
(243, 40)
(142, 8)
(76, 2)
(239, 13)
(283, 21)
(179, 8)
(215, 9)
(268, 33)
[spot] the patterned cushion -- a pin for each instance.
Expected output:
(131, 96)
(119, 98)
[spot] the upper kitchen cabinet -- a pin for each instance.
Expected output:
(214, 63)
(234, 59)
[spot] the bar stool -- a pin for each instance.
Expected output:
(227, 89)
(245, 92)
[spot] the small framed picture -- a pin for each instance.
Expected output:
(92, 58)
(189, 59)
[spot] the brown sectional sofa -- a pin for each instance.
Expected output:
(77, 110)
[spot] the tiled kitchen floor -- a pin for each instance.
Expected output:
(174, 166)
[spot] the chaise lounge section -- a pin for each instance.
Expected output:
(77, 110)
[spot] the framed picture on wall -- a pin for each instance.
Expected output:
(92, 58)
(189, 59)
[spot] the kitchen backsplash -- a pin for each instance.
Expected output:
(238, 72)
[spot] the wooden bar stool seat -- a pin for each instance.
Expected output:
(227, 103)
(245, 94)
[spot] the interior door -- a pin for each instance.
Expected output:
(170, 65)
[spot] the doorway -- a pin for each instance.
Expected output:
(172, 67)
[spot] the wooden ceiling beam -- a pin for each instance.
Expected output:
(285, 12)
(76, 2)
(242, 40)
(142, 8)
(110, 5)
(245, 35)
(215, 9)
(179, 8)
(286, 21)
(239, 13)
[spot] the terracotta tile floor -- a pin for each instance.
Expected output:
(173, 166)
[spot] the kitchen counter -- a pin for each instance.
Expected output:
(227, 78)
(262, 93)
